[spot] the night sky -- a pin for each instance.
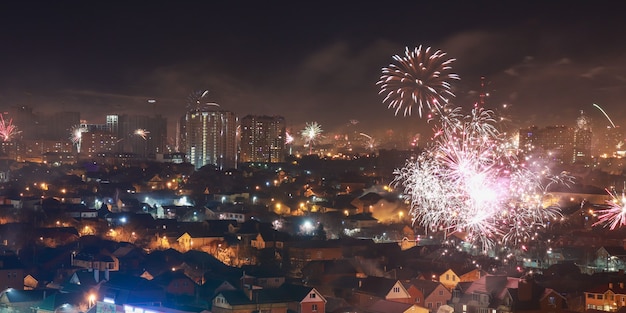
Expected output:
(310, 60)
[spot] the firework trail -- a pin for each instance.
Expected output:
(310, 133)
(420, 77)
(371, 143)
(468, 181)
(605, 115)
(142, 133)
(199, 100)
(76, 136)
(615, 215)
(7, 129)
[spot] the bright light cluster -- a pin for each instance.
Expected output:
(615, 215)
(310, 134)
(142, 133)
(419, 78)
(468, 182)
(7, 129)
(76, 135)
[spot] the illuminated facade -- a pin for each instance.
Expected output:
(262, 139)
(554, 143)
(208, 136)
(124, 127)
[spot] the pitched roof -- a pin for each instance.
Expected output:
(54, 301)
(425, 286)
(16, 295)
(285, 293)
(378, 286)
(491, 284)
(235, 297)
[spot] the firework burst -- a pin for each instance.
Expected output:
(76, 136)
(615, 215)
(7, 129)
(288, 138)
(199, 100)
(310, 134)
(370, 142)
(420, 77)
(142, 133)
(469, 182)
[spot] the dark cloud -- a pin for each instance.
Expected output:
(317, 63)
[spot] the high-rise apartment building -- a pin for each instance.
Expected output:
(554, 143)
(208, 136)
(582, 141)
(262, 139)
(98, 141)
(142, 135)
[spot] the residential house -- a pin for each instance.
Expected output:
(205, 235)
(490, 292)
(269, 238)
(236, 213)
(237, 301)
(610, 259)
(417, 295)
(256, 277)
(372, 289)
(63, 302)
(176, 283)
(434, 294)
(96, 259)
(449, 279)
(471, 275)
(14, 300)
(529, 297)
(606, 297)
(30, 282)
(320, 273)
(127, 289)
(130, 258)
(11, 271)
(303, 299)
(366, 202)
(359, 221)
(302, 252)
(212, 286)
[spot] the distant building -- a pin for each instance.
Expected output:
(59, 125)
(209, 137)
(553, 143)
(582, 141)
(11, 272)
(98, 141)
(262, 139)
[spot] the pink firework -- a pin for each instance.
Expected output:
(288, 138)
(7, 129)
(615, 215)
(467, 182)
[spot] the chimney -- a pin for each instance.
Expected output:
(610, 285)
(621, 285)
(249, 292)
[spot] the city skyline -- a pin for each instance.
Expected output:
(317, 63)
